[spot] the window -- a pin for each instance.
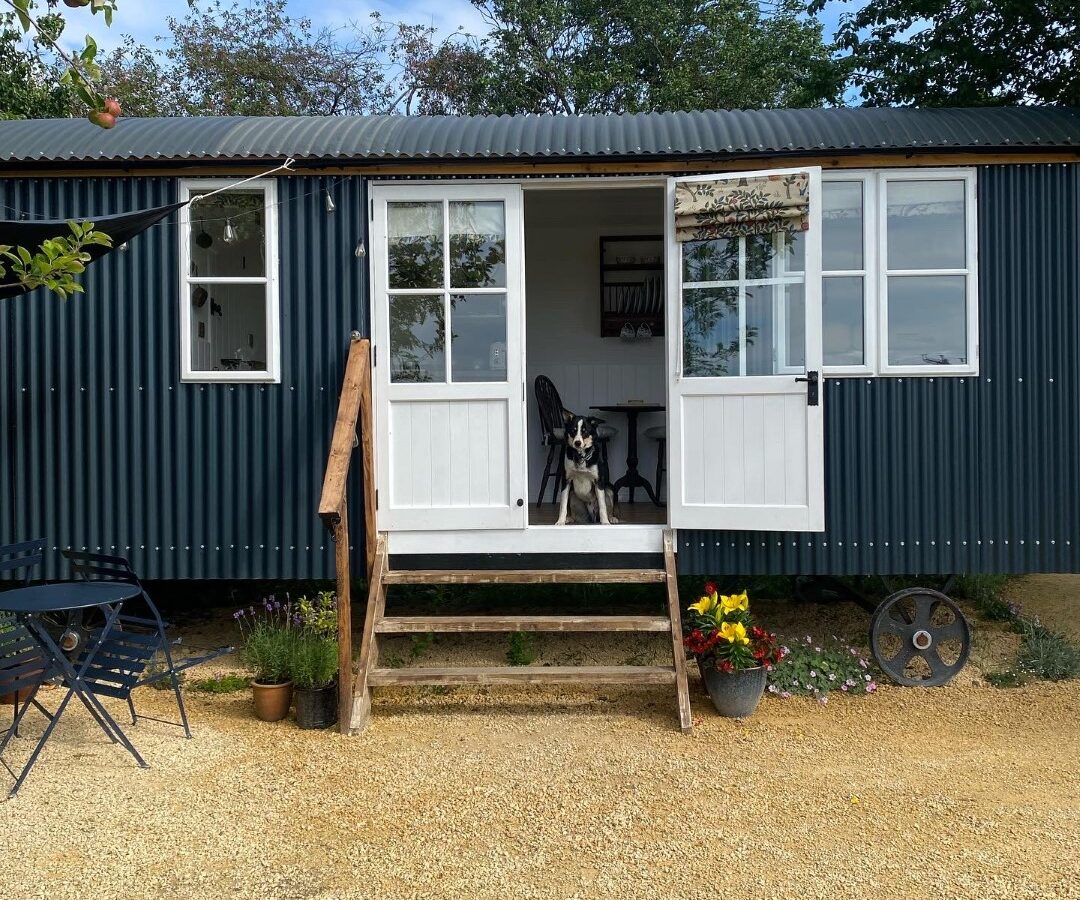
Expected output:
(229, 315)
(447, 298)
(899, 292)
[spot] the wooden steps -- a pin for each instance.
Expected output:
(525, 675)
(377, 624)
(457, 624)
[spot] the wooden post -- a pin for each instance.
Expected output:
(686, 721)
(367, 447)
(369, 642)
(344, 601)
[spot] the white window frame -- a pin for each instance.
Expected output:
(875, 272)
(272, 373)
(970, 271)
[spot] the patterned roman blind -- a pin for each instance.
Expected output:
(766, 204)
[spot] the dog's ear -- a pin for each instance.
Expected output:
(568, 416)
(595, 421)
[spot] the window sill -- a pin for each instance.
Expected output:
(229, 378)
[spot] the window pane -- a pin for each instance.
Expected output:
(841, 225)
(775, 337)
(842, 321)
(794, 245)
(927, 320)
(711, 260)
(228, 327)
(710, 332)
(925, 221)
(417, 338)
(415, 244)
(794, 345)
(761, 257)
(478, 337)
(477, 244)
(228, 235)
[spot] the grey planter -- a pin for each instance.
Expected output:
(734, 694)
(317, 707)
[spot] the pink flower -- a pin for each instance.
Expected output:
(843, 687)
(823, 699)
(871, 687)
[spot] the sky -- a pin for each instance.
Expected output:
(146, 20)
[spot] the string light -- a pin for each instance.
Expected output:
(361, 250)
(229, 236)
(330, 205)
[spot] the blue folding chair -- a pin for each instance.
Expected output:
(120, 664)
(23, 664)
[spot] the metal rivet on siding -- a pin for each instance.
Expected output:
(1019, 379)
(1036, 543)
(871, 543)
(933, 543)
(886, 543)
(1051, 380)
(902, 543)
(987, 380)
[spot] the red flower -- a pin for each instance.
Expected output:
(725, 665)
(710, 588)
(758, 632)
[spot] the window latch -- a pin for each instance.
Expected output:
(811, 380)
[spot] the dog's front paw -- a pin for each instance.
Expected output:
(561, 521)
(612, 520)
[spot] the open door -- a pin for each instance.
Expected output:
(744, 347)
(449, 367)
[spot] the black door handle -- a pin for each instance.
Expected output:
(811, 380)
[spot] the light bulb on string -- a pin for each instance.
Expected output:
(330, 204)
(230, 232)
(361, 250)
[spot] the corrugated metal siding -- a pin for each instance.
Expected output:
(105, 449)
(666, 134)
(958, 474)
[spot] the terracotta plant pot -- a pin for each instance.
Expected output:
(272, 700)
(734, 694)
(317, 707)
(9, 697)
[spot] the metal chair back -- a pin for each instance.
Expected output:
(18, 561)
(551, 409)
(23, 664)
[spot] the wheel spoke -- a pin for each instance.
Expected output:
(900, 662)
(953, 631)
(924, 610)
(938, 667)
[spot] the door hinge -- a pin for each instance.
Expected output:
(371, 212)
(376, 498)
(374, 356)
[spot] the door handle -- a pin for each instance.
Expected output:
(811, 380)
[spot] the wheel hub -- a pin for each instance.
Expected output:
(922, 639)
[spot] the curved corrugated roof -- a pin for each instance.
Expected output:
(657, 135)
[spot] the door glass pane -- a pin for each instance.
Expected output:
(925, 222)
(793, 345)
(841, 225)
(415, 244)
(927, 320)
(761, 256)
(228, 327)
(417, 338)
(710, 332)
(477, 244)
(842, 320)
(761, 331)
(228, 236)
(478, 337)
(711, 260)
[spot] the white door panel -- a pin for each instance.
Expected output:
(746, 444)
(449, 375)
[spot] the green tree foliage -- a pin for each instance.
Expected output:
(963, 52)
(28, 89)
(57, 262)
(588, 56)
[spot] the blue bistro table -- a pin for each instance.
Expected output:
(30, 605)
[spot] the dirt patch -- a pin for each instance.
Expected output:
(1055, 599)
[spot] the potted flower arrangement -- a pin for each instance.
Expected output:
(314, 663)
(268, 639)
(733, 654)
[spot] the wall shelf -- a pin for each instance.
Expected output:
(632, 284)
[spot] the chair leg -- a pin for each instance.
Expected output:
(605, 471)
(131, 709)
(547, 475)
(560, 479)
(180, 703)
(661, 447)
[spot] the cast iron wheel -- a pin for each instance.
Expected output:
(919, 637)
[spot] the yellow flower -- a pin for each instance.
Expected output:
(705, 605)
(734, 602)
(734, 633)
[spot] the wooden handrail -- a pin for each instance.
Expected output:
(354, 405)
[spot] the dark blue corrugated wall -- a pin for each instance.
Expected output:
(104, 448)
(937, 475)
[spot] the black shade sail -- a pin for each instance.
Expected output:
(30, 234)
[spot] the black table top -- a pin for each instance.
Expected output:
(66, 595)
(631, 407)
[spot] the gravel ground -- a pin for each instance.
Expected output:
(959, 792)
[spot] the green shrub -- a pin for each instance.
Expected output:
(819, 668)
(221, 684)
(1047, 654)
(314, 661)
(985, 591)
(522, 651)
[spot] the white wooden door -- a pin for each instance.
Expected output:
(745, 427)
(447, 294)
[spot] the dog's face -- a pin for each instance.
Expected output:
(580, 432)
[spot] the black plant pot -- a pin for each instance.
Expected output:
(316, 707)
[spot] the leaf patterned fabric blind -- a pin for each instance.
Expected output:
(705, 210)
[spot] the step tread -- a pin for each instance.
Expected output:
(525, 576)
(525, 674)
(443, 624)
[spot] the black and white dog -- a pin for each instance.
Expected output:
(584, 497)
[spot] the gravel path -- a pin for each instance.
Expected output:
(960, 792)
